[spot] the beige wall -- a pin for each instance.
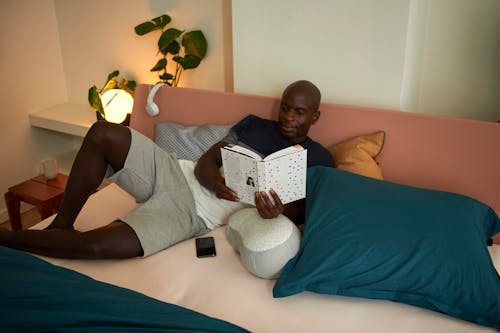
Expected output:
(430, 56)
(98, 37)
(32, 79)
(52, 51)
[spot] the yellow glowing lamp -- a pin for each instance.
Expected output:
(116, 104)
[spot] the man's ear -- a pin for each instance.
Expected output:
(316, 116)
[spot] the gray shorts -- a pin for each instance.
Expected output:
(167, 214)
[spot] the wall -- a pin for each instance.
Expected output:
(98, 37)
(430, 56)
(53, 51)
(32, 79)
(460, 59)
(438, 57)
(353, 50)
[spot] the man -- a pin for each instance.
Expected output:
(179, 199)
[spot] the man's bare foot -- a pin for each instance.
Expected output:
(4, 232)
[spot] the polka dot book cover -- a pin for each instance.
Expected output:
(284, 171)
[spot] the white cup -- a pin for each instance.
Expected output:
(49, 168)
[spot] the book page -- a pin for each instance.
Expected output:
(241, 174)
(283, 152)
(245, 151)
(287, 176)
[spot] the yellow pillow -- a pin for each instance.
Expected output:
(359, 154)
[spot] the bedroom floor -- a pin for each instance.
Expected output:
(29, 218)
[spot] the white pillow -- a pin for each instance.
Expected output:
(265, 245)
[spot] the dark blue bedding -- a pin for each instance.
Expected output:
(36, 296)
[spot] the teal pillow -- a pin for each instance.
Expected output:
(375, 239)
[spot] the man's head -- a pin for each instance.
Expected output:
(298, 110)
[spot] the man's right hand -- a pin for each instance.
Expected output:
(224, 192)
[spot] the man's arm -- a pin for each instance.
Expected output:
(207, 171)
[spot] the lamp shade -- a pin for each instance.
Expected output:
(117, 103)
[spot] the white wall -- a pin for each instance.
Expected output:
(353, 50)
(460, 59)
(52, 51)
(431, 56)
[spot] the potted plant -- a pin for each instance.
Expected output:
(186, 49)
(112, 84)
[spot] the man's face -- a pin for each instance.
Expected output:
(298, 111)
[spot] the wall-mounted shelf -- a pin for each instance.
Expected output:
(67, 118)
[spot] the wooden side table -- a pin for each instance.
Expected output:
(39, 191)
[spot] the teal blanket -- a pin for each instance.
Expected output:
(36, 296)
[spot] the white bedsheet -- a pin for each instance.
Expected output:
(221, 287)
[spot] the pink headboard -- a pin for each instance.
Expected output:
(433, 152)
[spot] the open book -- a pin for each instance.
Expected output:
(246, 172)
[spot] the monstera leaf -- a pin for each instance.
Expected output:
(188, 62)
(168, 37)
(154, 24)
(195, 44)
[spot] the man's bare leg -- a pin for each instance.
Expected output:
(104, 144)
(114, 241)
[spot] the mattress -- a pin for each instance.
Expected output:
(221, 287)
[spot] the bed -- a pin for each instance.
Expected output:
(456, 160)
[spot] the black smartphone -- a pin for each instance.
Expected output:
(205, 247)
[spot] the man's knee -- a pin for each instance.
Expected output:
(101, 132)
(109, 137)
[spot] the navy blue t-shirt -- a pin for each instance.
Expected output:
(263, 136)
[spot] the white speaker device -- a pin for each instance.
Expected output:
(151, 107)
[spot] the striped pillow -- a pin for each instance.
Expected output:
(189, 142)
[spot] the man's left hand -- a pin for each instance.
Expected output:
(265, 206)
